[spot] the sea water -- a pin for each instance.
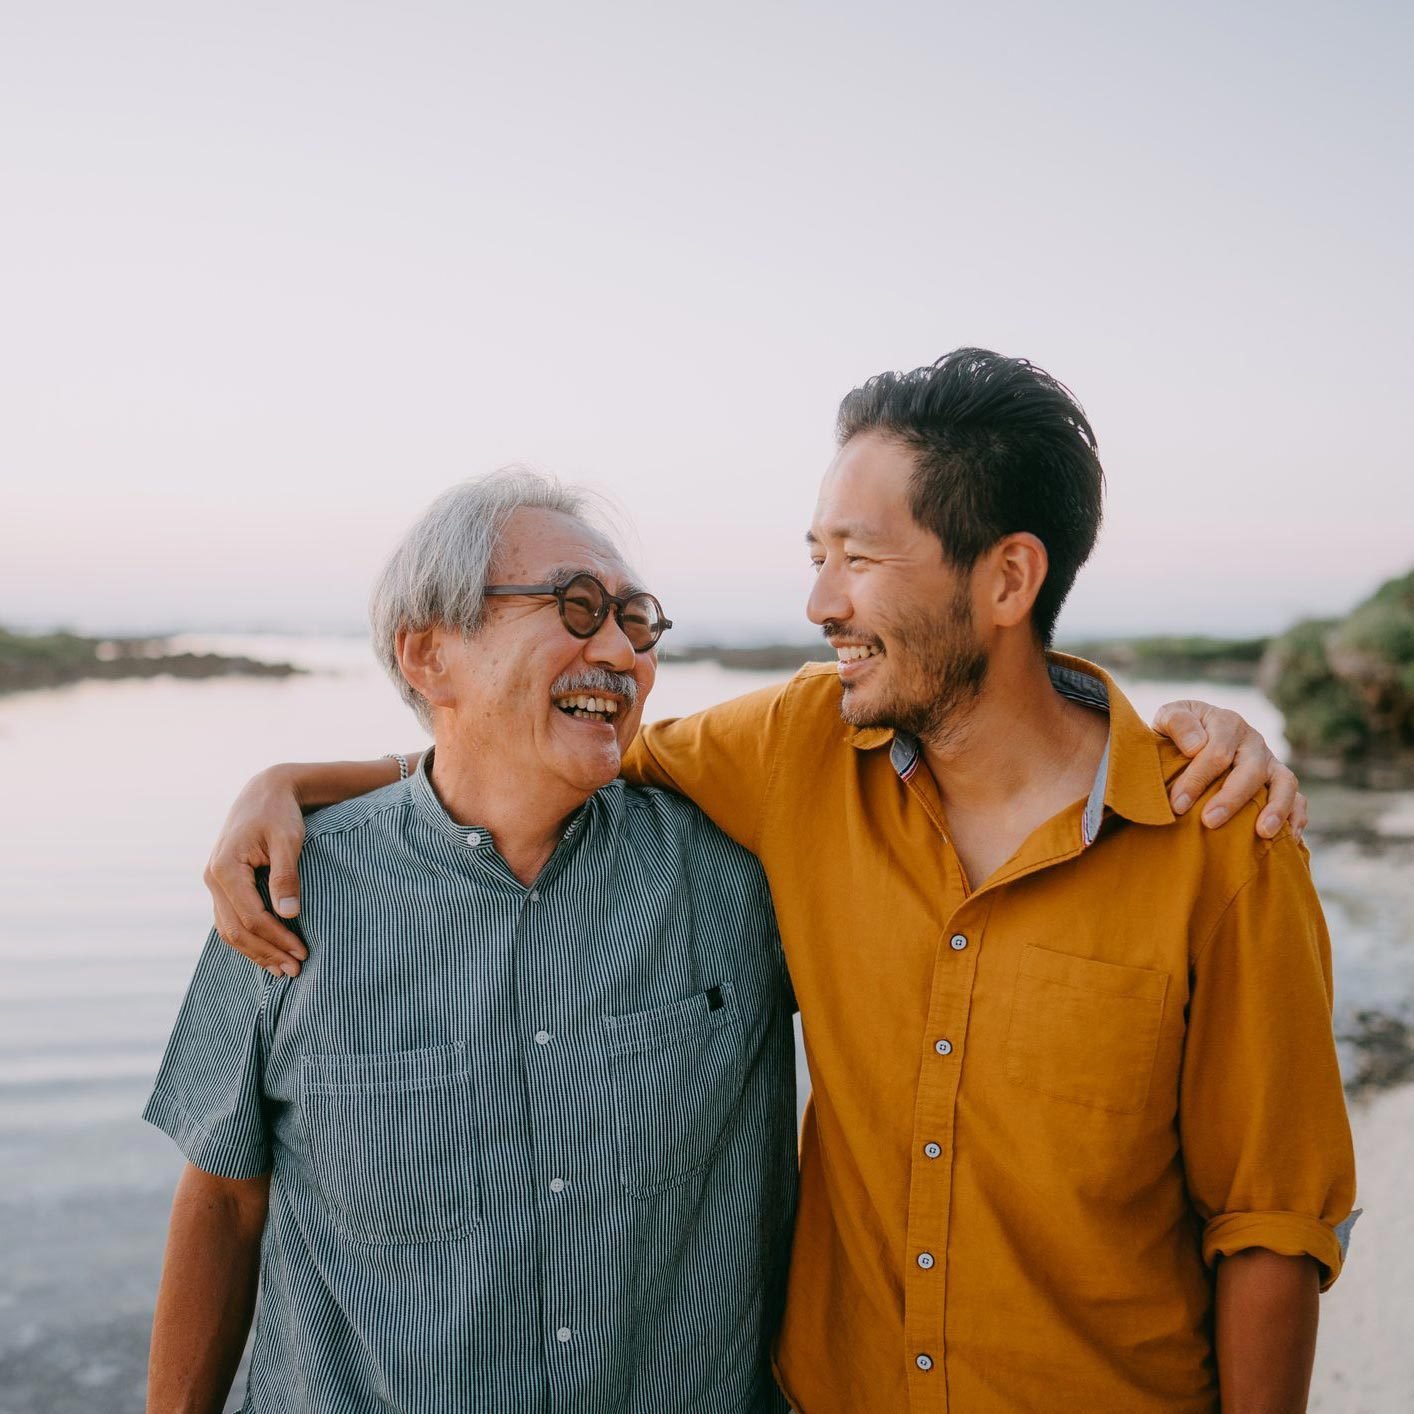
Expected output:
(112, 795)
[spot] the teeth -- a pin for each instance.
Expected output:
(582, 705)
(854, 653)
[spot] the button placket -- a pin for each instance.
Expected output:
(930, 1187)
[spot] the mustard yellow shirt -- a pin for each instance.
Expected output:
(1042, 1108)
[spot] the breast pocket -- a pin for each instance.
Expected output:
(1085, 1031)
(392, 1142)
(678, 1072)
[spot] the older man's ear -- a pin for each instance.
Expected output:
(423, 658)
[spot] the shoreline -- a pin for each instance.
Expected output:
(38, 662)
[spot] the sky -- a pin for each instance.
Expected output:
(273, 275)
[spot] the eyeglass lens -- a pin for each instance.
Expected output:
(584, 604)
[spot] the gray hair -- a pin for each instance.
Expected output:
(438, 572)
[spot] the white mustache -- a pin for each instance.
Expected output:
(597, 681)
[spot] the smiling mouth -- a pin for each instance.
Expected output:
(856, 652)
(590, 708)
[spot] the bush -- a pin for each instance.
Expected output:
(1346, 687)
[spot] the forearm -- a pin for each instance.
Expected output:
(317, 783)
(207, 1294)
(1267, 1308)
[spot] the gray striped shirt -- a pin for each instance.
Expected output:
(531, 1148)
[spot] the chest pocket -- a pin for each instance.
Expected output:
(1085, 1031)
(679, 1071)
(392, 1142)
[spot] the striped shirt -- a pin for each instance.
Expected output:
(531, 1148)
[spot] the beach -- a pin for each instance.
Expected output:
(114, 793)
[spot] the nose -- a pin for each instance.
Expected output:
(828, 598)
(610, 648)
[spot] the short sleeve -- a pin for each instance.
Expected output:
(1266, 1140)
(721, 759)
(209, 1091)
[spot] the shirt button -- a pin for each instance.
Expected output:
(925, 1260)
(557, 1185)
(924, 1362)
(932, 1150)
(535, 895)
(943, 1048)
(473, 838)
(542, 1038)
(563, 1335)
(957, 942)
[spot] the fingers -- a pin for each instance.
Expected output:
(253, 945)
(1230, 745)
(284, 878)
(1252, 768)
(1216, 756)
(1281, 799)
(244, 922)
(1182, 726)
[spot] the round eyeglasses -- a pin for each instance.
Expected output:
(584, 605)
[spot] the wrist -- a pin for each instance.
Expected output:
(287, 779)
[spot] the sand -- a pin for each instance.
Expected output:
(1365, 1351)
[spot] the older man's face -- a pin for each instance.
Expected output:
(516, 676)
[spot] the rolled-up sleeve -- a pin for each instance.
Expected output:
(209, 1092)
(1266, 1140)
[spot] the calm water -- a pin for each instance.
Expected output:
(113, 793)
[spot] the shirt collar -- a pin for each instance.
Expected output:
(1130, 777)
(432, 812)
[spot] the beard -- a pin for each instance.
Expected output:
(935, 672)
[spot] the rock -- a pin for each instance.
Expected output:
(1346, 689)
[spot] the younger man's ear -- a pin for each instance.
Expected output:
(1019, 565)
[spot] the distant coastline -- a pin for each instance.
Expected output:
(1151, 658)
(29, 662)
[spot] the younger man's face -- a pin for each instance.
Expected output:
(899, 616)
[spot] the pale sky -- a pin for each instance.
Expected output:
(272, 275)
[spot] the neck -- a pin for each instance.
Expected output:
(526, 818)
(1017, 732)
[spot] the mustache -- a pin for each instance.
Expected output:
(833, 629)
(597, 681)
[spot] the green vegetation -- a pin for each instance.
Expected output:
(761, 658)
(40, 660)
(1346, 688)
(1220, 659)
(1223, 659)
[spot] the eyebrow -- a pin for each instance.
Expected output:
(861, 533)
(562, 573)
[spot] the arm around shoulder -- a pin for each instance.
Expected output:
(722, 759)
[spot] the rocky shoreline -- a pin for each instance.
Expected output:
(1362, 856)
(30, 662)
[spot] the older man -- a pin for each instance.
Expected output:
(521, 1135)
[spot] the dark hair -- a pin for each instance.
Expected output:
(1001, 447)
